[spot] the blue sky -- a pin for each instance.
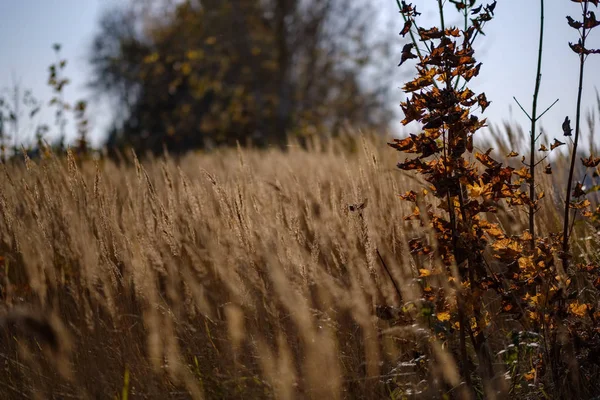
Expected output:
(28, 28)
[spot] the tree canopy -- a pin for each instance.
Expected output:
(213, 72)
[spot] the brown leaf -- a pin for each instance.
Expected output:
(486, 160)
(424, 80)
(577, 309)
(548, 169)
(479, 189)
(557, 143)
(414, 216)
(443, 316)
(409, 9)
(530, 376)
(416, 246)
(470, 143)
(411, 164)
(523, 173)
(566, 127)
(433, 33)
(434, 123)
(406, 28)
(578, 190)
(424, 273)
(407, 145)
(459, 4)
(409, 196)
(407, 53)
(574, 24)
(512, 154)
(507, 247)
(483, 102)
(579, 49)
(591, 162)
(590, 21)
(411, 112)
(453, 32)
(594, 2)
(494, 231)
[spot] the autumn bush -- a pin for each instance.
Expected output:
(540, 282)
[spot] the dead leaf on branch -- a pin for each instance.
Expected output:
(566, 127)
(591, 161)
(406, 28)
(557, 143)
(407, 53)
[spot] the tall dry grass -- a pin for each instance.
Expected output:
(234, 274)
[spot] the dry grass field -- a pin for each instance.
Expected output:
(232, 274)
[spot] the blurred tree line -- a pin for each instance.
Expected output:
(202, 73)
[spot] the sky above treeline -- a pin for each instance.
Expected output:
(29, 28)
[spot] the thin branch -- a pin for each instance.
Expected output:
(522, 109)
(547, 109)
(536, 92)
(539, 162)
(538, 136)
(565, 244)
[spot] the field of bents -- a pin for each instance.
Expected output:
(326, 270)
